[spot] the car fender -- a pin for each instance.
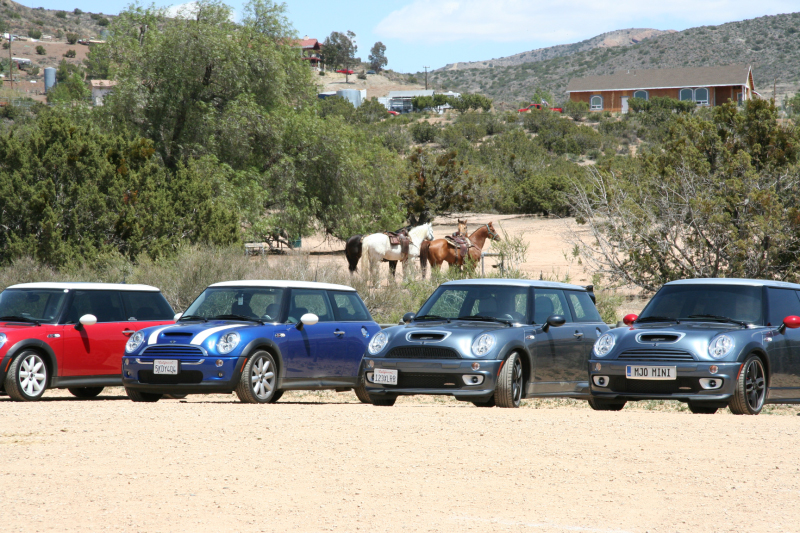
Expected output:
(516, 345)
(271, 346)
(40, 345)
(753, 346)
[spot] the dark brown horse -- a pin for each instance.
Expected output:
(352, 251)
(440, 250)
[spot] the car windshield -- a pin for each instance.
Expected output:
(504, 303)
(257, 303)
(31, 305)
(740, 303)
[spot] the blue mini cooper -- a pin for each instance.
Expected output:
(258, 338)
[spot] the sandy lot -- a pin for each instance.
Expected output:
(321, 462)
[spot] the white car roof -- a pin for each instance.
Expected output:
(283, 283)
(86, 286)
(736, 281)
(516, 282)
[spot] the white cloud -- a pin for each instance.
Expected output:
(558, 21)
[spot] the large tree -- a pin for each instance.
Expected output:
(339, 51)
(377, 57)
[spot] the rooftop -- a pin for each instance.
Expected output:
(667, 78)
(282, 283)
(86, 286)
(517, 283)
(736, 281)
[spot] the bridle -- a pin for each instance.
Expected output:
(492, 234)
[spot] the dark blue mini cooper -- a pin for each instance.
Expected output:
(708, 342)
(258, 338)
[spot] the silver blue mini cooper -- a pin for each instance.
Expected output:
(708, 342)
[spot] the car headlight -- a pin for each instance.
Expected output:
(483, 344)
(378, 343)
(134, 342)
(228, 342)
(604, 345)
(3, 339)
(720, 347)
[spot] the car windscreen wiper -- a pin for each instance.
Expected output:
(237, 317)
(657, 319)
(719, 318)
(192, 317)
(15, 318)
(485, 318)
(431, 317)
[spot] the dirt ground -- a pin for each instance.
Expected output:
(323, 462)
(376, 85)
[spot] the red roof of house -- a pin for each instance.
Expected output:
(308, 43)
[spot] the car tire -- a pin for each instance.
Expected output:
(751, 388)
(27, 377)
(383, 401)
(259, 381)
(606, 405)
(700, 409)
(508, 392)
(85, 392)
(485, 403)
(361, 390)
(139, 396)
(175, 396)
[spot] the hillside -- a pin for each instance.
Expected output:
(771, 44)
(19, 20)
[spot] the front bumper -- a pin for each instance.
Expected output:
(439, 377)
(686, 387)
(195, 375)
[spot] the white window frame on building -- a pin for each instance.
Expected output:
(637, 94)
(707, 98)
(593, 106)
(691, 95)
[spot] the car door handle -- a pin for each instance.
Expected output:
(578, 335)
(337, 332)
(128, 332)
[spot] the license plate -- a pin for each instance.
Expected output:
(651, 372)
(165, 366)
(384, 376)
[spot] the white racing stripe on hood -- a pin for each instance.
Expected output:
(154, 335)
(200, 337)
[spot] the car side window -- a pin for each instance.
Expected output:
(348, 307)
(548, 302)
(583, 309)
(105, 305)
(146, 306)
(309, 301)
(782, 303)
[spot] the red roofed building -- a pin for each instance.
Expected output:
(310, 50)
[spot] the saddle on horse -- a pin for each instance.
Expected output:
(461, 243)
(400, 238)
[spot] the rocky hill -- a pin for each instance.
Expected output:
(771, 44)
(21, 20)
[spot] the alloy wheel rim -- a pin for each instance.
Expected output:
(262, 378)
(755, 385)
(32, 375)
(516, 386)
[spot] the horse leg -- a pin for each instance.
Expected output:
(393, 268)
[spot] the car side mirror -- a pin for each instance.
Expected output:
(554, 321)
(791, 322)
(408, 317)
(308, 319)
(628, 320)
(177, 316)
(86, 320)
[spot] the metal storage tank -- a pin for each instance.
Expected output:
(352, 95)
(49, 78)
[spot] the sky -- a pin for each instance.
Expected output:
(433, 33)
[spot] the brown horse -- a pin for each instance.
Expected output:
(438, 251)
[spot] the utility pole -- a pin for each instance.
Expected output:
(426, 77)
(10, 62)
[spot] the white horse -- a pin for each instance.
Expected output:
(377, 248)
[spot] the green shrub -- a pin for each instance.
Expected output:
(40, 22)
(423, 132)
(72, 38)
(576, 110)
(70, 53)
(35, 34)
(103, 22)
(95, 16)
(61, 14)
(78, 11)
(41, 50)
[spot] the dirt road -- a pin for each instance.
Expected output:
(321, 462)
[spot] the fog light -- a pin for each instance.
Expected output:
(711, 383)
(472, 379)
(713, 369)
(371, 364)
(219, 362)
(221, 374)
(127, 361)
(128, 373)
(598, 366)
(476, 366)
(369, 377)
(600, 381)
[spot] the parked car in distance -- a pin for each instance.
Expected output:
(540, 107)
(346, 71)
(71, 335)
(489, 341)
(370, 72)
(257, 338)
(393, 112)
(708, 342)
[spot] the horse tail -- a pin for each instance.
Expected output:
(423, 256)
(352, 251)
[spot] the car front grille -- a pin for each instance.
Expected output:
(172, 350)
(183, 377)
(414, 380)
(655, 354)
(654, 386)
(423, 352)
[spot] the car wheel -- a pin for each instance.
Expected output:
(700, 409)
(259, 379)
(606, 405)
(486, 403)
(751, 388)
(361, 390)
(139, 396)
(175, 396)
(85, 392)
(26, 379)
(509, 383)
(383, 401)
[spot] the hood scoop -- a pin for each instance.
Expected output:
(427, 336)
(177, 334)
(661, 338)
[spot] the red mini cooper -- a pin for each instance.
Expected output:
(71, 335)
